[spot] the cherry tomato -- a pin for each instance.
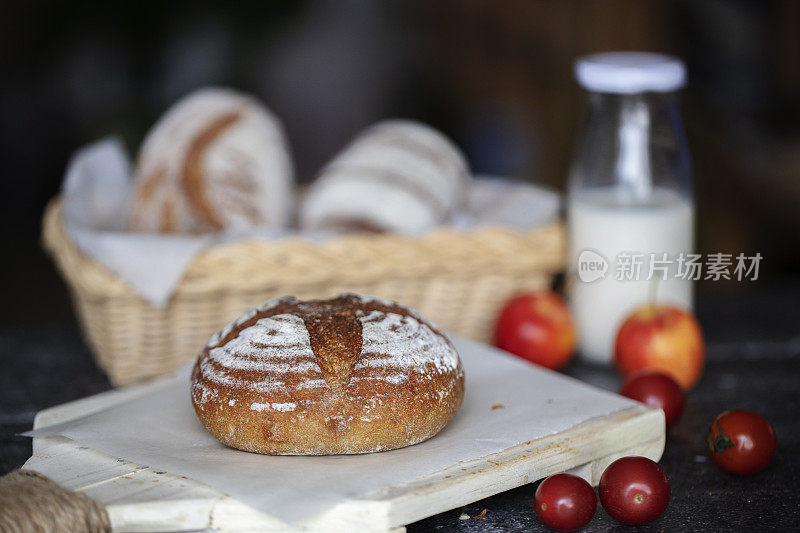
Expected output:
(656, 390)
(741, 442)
(634, 490)
(537, 327)
(565, 502)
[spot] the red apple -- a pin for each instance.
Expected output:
(537, 327)
(661, 338)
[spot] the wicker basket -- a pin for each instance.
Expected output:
(458, 279)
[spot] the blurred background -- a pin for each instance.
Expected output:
(495, 76)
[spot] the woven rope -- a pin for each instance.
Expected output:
(458, 279)
(32, 502)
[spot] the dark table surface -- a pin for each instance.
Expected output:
(753, 363)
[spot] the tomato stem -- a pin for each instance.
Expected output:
(721, 443)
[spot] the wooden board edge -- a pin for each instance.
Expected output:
(594, 444)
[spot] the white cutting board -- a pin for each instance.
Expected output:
(140, 498)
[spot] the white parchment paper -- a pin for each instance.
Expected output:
(162, 431)
(96, 190)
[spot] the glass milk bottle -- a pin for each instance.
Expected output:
(629, 196)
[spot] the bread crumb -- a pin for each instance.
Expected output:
(464, 516)
(498, 406)
(481, 515)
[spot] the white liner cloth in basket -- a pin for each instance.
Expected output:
(96, 192)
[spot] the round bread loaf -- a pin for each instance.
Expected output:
(348, 375)
(398, 175)
(217, 160)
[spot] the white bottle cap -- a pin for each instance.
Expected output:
(630, 72)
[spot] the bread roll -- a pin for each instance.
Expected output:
(348, 375)
(398, 175)
(217, 160)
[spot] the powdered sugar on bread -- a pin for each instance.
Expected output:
(280, 345)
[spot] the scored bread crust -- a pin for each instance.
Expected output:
(217, 160)
(397, 175)
(348, 375)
